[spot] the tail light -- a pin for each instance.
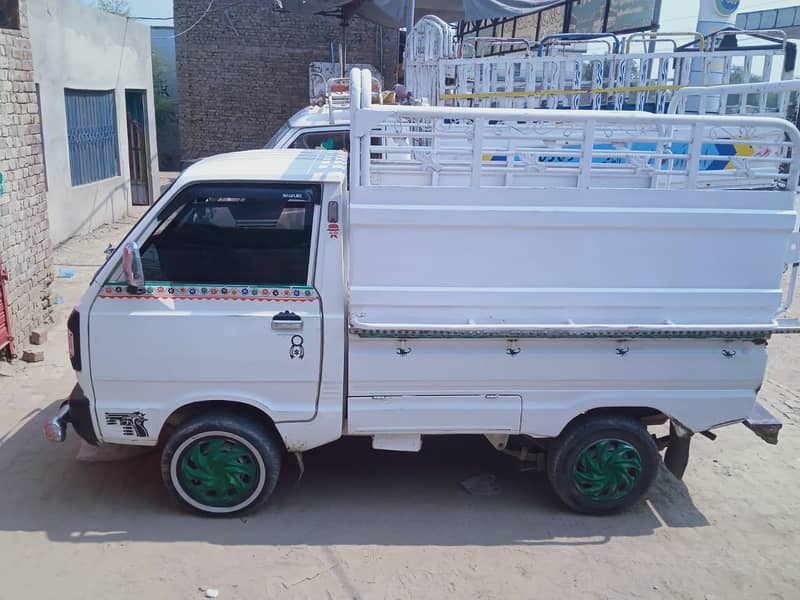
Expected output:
(74, 339)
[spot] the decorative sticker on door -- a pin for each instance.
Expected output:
(205, 291)
(297, 350)
(132, 424)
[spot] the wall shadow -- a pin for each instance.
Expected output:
(100, 203)
(350, 494)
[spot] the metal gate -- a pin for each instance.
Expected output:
(136, 109)
(6, 339)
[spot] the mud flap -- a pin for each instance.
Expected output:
(677, 455)
(763, 424)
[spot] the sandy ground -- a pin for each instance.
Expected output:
(368, 524)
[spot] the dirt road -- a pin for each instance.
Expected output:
(369, 524)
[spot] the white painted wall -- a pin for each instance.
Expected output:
(79, 47)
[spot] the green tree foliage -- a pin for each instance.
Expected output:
(116, 7)
(166, 106)
(737, 76)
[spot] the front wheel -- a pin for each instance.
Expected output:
(221, 464)
(603, 464)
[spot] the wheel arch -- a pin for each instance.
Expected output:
(192, 409)
(646, 414)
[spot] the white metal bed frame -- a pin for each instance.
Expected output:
(458, 147)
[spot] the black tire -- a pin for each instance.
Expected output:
(626, 446)
(242, 473)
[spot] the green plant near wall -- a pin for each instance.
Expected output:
(166, 106)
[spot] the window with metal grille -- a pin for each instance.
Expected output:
(92, 135)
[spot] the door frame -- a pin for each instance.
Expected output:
(148, 170)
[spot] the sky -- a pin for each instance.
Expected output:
(676, 15)
(156, 8)
(160, 8)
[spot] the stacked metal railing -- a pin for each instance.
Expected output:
(642, 72)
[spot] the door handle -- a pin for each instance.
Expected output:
(287, 321)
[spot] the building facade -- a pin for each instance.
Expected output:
(77, 148)
(786, 19)
(93, 71)
(25, 250)
(244, 70)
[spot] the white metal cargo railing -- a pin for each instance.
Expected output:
(479, 147)
(640, 81)
(437, 72)
(465, 157)
(770, 98)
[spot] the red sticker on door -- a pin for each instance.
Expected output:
(333, 231)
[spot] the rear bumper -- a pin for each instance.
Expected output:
(74, 410)
(763, 424)
(55, 428)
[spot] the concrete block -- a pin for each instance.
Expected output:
(38, 337)
(33, 356)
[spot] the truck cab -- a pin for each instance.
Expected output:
(236, 263)
(314, 128)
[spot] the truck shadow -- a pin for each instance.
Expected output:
(349, 494)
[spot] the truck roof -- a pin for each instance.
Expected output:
(319, 116)
(272, 165)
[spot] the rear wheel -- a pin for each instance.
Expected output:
(603, 464)
(221, 464)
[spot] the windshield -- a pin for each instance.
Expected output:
(285, 128)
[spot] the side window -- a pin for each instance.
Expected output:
(234, 234)
(323, 140)
(273, 141)
(329, 140)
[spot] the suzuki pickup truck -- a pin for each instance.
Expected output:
(530, 276)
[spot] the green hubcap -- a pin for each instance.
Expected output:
(607, 470)
(218, 471)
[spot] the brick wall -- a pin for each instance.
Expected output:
(239, 79)
(24, 239)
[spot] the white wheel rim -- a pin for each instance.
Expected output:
(173, 472)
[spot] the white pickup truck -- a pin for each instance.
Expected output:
(557, 281)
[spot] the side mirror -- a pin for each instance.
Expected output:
(132, 264)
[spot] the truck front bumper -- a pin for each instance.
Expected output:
(74, 410)
(763, 424)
